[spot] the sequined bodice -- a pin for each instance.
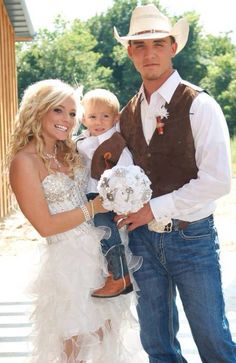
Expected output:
(64, 193)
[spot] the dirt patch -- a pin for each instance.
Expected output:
(17, 235)
(225, 218)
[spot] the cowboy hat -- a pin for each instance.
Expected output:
(147, 22)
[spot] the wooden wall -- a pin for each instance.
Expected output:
(8, 102)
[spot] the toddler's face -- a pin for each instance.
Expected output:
(99, 118)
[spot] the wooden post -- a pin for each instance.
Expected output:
(8, 102)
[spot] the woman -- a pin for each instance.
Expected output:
(48, 180)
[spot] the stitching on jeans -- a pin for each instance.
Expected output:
(162, 256)
(171, 329)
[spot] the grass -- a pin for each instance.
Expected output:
(233, 155)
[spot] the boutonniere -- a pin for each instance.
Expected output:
(107, 159)
(159, 115)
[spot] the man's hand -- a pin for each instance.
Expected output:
(134, 220)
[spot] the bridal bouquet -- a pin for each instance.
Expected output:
(124, 189)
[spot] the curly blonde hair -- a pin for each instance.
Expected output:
(38, 99)
(101, 96)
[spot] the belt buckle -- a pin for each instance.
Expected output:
(162, 226)
(169, 227)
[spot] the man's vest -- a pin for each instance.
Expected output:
(169, 159)
(107, 155)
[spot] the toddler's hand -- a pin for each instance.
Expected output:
(98, 207)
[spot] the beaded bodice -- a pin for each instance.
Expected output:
(64, 193)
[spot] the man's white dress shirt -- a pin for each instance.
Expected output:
(196, 199)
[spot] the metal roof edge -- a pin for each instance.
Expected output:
(23, 28)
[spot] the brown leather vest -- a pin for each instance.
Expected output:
(107, 155)
(169, 159)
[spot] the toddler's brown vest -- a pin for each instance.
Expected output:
(169, 159)
(107, 155)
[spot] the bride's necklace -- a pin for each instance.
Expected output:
(53, 157)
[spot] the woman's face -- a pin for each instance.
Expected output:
(58, 122)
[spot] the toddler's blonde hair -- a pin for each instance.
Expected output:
(101, 95)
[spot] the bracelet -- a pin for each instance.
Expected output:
(92, 208)
(85, 212)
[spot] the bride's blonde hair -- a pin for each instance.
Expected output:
(38, 99)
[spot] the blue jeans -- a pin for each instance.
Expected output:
(186, 260)
(106, 219)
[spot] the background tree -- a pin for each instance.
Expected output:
(87, 53)
(220, 77)
(66, 53)
(189, 62)
(125, 81)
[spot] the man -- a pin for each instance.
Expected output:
(177, 133)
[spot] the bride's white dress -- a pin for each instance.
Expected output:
(65, 315)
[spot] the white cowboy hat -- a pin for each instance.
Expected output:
(147, 22)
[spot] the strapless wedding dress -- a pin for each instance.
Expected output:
(98, 330)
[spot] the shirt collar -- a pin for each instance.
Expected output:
(167, 89)
(84, 134)
(106, 135)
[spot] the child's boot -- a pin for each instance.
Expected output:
(118, 282)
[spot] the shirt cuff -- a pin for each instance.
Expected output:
(163, 207)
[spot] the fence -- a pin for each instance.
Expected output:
(8, 102)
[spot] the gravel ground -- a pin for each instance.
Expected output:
(17, 236)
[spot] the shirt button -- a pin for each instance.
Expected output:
(149, 155)
(148, 172)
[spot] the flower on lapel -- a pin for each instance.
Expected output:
(159, 115)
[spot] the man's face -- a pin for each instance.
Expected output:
(152, 57)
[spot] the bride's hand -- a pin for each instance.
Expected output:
(98, 207)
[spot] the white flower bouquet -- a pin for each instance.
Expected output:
(124, 189)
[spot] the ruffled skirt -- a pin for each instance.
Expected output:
(69, 326)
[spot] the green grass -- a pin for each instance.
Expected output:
(233, 155)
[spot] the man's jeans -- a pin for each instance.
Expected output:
(187, 260)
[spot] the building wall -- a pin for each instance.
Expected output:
(8, 102)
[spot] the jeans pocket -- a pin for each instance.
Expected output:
(197, 230)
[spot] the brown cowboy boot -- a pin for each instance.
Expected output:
(113, 288)
(118, 282)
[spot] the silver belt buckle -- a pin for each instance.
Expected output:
(162, 226)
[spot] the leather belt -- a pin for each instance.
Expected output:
(167, 226)
(176, 225)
